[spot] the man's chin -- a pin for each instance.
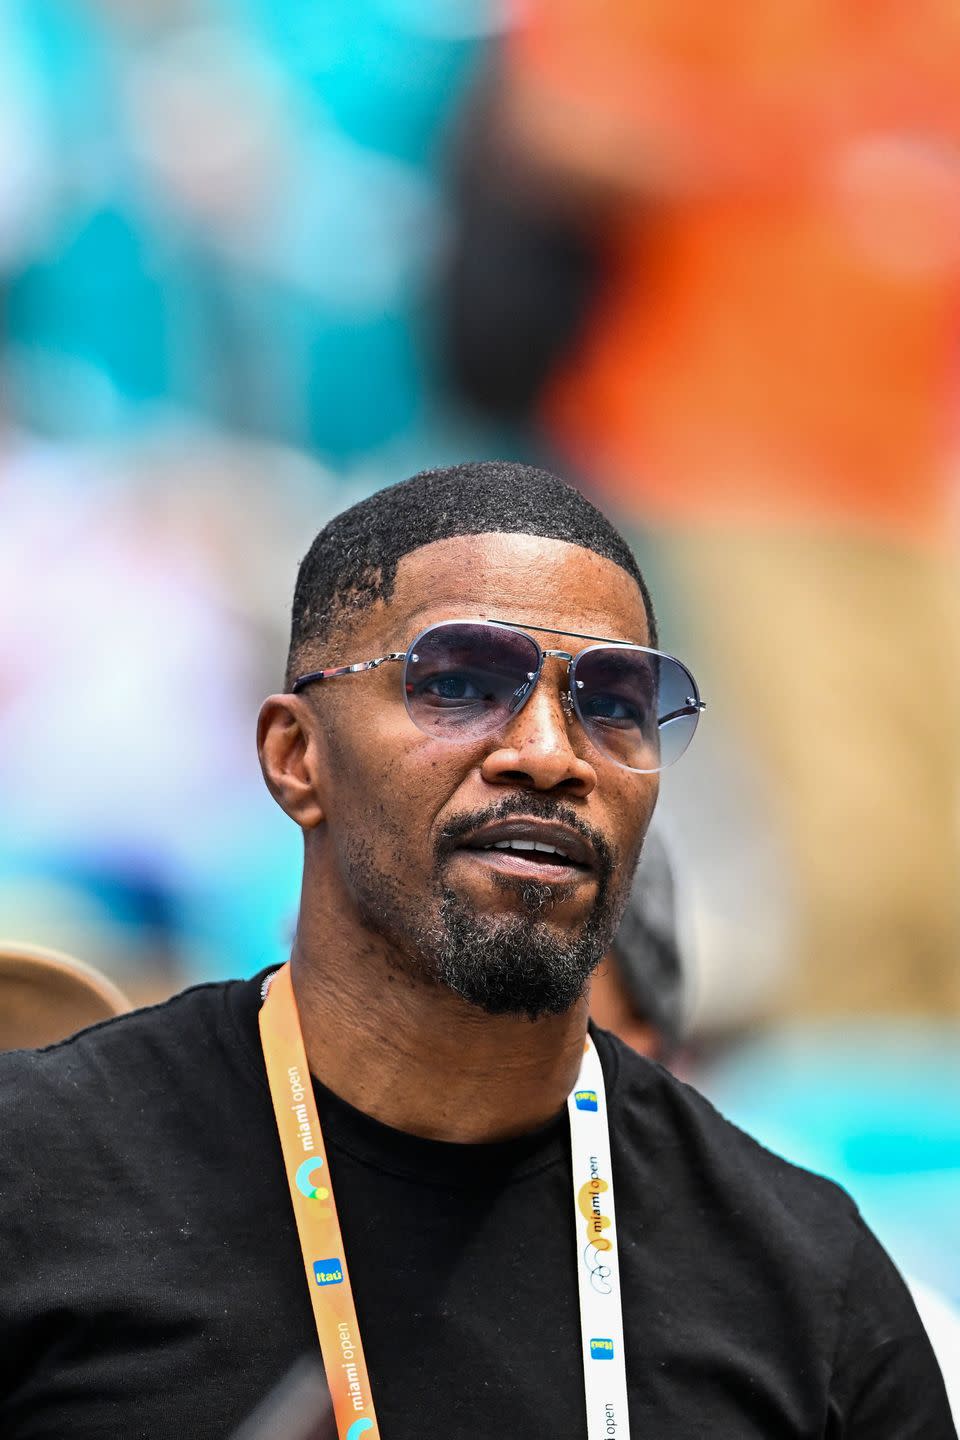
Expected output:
(521, 964)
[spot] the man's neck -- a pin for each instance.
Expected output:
(414, 1056)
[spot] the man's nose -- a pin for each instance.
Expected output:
(534, 750)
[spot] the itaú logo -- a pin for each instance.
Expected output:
(597, 1250)
(305, 1179)
(328, 1272)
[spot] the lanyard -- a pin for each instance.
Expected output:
(321, 1240)
(598, 1268)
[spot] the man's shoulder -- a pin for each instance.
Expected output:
(131, 1058)
(772, 1257)
(728, 1170)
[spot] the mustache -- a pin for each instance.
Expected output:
(537, 806)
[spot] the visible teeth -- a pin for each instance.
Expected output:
(527, 845)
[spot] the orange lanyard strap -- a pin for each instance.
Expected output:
(315, 1212)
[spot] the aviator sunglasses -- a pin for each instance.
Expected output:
(466, 679)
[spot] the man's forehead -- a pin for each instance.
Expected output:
(524, 578)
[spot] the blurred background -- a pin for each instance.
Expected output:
(701, 258)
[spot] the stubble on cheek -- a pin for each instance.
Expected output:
(369, 846)
(389, 901)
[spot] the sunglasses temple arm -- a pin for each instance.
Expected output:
(696, 709)
(332, 674)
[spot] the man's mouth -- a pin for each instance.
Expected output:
(531, 849)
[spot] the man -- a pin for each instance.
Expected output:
(473, 773)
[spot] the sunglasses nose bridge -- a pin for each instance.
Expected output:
(560, 655)
(566, 698)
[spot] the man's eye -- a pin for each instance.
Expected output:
(615, 708)
(452, 687)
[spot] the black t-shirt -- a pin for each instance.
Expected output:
(151, 1283)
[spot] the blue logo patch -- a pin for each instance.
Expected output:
(327, 1272)
(585, 1099)
(601, 1349)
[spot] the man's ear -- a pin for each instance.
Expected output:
(290, 759)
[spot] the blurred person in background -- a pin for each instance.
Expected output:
(746, 338)
(46, 996)
(129, 579)
(639, 990)
(107, 623)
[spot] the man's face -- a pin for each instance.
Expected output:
(411, 818)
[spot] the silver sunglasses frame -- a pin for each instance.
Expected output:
(695, 705)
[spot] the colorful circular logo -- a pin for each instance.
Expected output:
(304, 1179)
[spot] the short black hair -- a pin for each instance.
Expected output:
(353, 561)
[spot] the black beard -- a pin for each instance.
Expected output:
(521, 964)
(518, 965)
(505, 964)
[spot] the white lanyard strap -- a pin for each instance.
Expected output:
(598, 1268)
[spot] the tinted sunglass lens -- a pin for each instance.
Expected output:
(641, 708)
(465, 680)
